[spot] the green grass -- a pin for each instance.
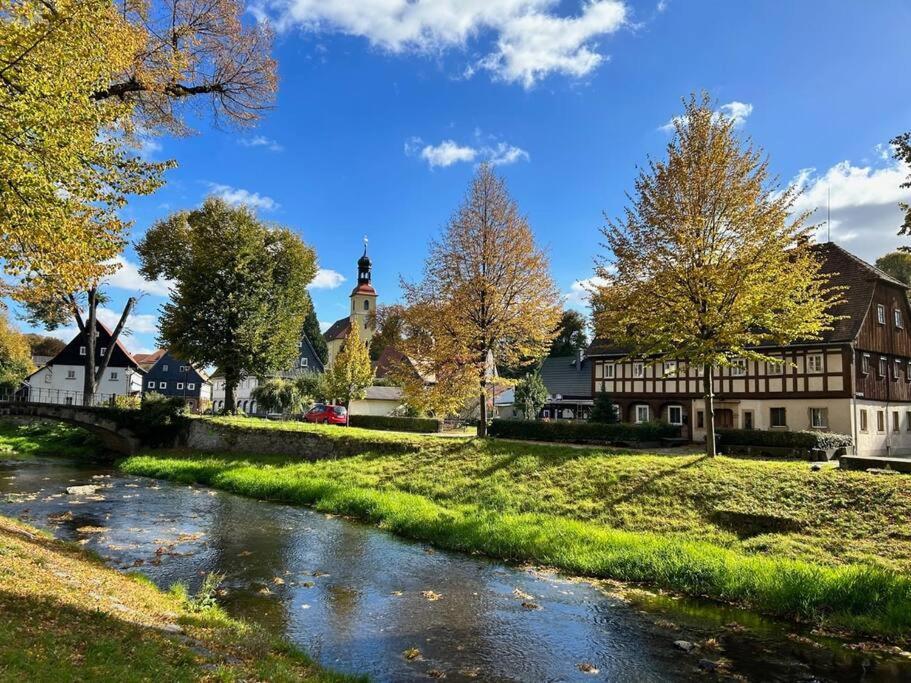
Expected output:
(826, 547)
(64, 616)
(25, 440)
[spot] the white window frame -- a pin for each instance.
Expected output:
(48, 378)
(899, 322)
(738, 367)
(102, 351)
(883, 366)
(880, 314)
(71, 374)
(162, 385)
(814, 363)
(864, 422)
(179, 386)
(610, 370)
(150, 384)
(191, 386)
(669, 369)
(164, 368)
(638, 370)
(82, 351)
(670, 415)
(896, 369)
(639, 416)
(305, 362)
(114, 376)
(819, 418)
(865, 364)
(881, 421)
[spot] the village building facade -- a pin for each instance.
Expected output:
(856, 379)
(170, 376)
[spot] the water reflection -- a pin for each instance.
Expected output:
(359, 599)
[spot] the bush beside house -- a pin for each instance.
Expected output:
(784, 443)
(422, 425)
(584, 432)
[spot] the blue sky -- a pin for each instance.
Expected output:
(386, 106)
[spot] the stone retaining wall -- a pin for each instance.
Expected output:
(210, 437)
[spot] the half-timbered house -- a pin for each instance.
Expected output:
(855, 379)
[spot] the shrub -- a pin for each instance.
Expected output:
(425, 425)
(583, 432)
(807, 440)
(158, 421)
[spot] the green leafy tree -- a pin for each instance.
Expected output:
(897, 264)
(351, 373)
(390, 326)
(279, 395)
(15, 357)
(571, 335)
(604, 410)
(708, 264)
(530, 395)
(312, 387)
(240, 295)
(42, 345)
(314, 334)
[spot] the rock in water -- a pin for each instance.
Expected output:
(86, 490)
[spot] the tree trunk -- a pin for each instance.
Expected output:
(482, 420)
(708, 385)
(90, 334)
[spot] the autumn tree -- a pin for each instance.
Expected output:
(351, 372)
(571, 335)
(708, 264)
(897, 264)
(15, 357)
(486, 298)
(530, 395)
(42, 345)
(390, 323)
(240, 296)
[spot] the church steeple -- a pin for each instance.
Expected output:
(363, 267)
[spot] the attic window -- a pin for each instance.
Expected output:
(899, 323)
(81, 350)
(865, 364)
(102, 350)
(880, 314)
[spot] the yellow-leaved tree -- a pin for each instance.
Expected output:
(708, 264)
(486, 299)
(15, 357)
(351, 372)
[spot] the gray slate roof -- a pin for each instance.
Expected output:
(561, 376)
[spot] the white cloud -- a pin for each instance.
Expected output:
(530, 40)
(327, 279)
(580, 291)
(261, 141)
(450, 152)
(137, 322)
(864, 205)
(236, 196)
(662, 5)
(738, 112)
(323, 325)
(148, 147)
(128, 277)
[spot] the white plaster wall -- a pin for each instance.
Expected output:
(52, 384)
(887, 441)
(373, 407)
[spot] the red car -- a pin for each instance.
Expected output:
(327, 415)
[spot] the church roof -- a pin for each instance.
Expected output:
(338, 330)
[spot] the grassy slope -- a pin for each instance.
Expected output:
(65, 616)
(636, 517)
(22, 441)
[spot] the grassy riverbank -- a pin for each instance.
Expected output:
(828, 547)
(64, 616)
(20, 440)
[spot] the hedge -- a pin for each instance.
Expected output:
(808, 440)
(423, 425)
(583, 432)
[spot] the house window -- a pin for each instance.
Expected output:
(102, 350)
(738, 367)
(670, 368)
(69, 400)
(114, 375)
(545, 413)
(882, 366)
(179, 386)
(819, 418)
(865, 364)
(366, 304)
(164, 368)
(899, 323)
(305, 362)
(191, 386)
(184, 368)
(814, 362)
(775, 367)
(908, 371)
(896, 370)
(162, 385)
(748, 419)
(880, 314)
(71, 374)
(880, 420)
(641, 414)
(908, 420)
(863, 419)
(778, 418)
(638, 370)
(47, 378)
(609, 370)
(81, 350)
(700, 419)
(896, 421)
(675, 415)
(151, 384)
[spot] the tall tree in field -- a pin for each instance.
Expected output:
(314, 334)
(79, 80)
(571, 335)
(15, 357)
(530, 395)
(708, 263)
(351, 372)
(486, 298)
(240, 294)
(897, 264)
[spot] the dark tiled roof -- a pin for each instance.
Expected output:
(338, 330)
(857, 277)
(562, 376)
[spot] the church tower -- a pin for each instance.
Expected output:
(363, 299)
